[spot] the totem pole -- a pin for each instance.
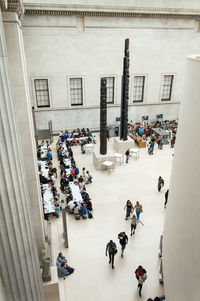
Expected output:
(125, 94)
(103, 117)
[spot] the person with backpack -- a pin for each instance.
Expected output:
(141, 275)
(133, 224)
(111, 249)
(123, 240)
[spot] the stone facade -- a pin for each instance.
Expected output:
(86, 41)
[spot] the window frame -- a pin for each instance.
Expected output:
(171, 87)
(35, 94)
(143, 86)
(82, 90)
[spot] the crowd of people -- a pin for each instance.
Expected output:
(146, 132)
(70, 173)
(47, 177)
(77, 136)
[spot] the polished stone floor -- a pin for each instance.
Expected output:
(94, 279)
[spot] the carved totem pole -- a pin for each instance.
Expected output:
(125, 94)
(103, 117)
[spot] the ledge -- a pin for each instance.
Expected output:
(109, 106)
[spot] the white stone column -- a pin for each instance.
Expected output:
(181, 244)
(23, 115)
(19, 260)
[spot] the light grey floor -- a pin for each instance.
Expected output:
(94, 280)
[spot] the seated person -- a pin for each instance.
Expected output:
(83, 211)
(70, 178)
(49, 155)
(57, 207)
(89, 177)
(77, 210)
(85, 195)
(61, 269)
(89, 205)
(43, 180)
(76, 171)
(73, 172)
(80, 179)
(71, 205)
(81, 186)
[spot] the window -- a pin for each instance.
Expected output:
(138, 88)
(166, 92)
(76, 91)
(110, 89)
(42, 93)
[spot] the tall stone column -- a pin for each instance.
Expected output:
(22, 109)
(103, 118)
(19, 262)
(181, 240)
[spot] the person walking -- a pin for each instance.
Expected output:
(160, 183)
(166, 197)
(138, 210)
(133, 224)
(111, 249)
(123, 240)
(128, 207)
(141, 275)
(127, 153)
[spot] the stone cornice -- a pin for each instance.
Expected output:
(95, 13)
(16, 6)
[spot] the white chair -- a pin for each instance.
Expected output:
(134, 151)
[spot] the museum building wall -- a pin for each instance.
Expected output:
(73, 51)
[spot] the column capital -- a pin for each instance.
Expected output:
(16, 6)
(4, 4)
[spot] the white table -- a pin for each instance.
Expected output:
(119, 157)
(109, 165)
(134, 151)
(44, 169)
(49, 206)
(76, 192)
(89, 148)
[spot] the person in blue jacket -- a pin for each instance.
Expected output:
(83, 211)
(49, 155)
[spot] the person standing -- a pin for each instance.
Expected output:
(128, 207)
(160, 183)
(166, 197)
(123, 240)
(127, 153)
(141, 275)
(138, 210)
(111, 249)
(133, 224)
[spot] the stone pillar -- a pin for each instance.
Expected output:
(181, 241)
(23, 113)
(19, 260)
(103, 117)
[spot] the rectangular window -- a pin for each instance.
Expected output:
(76, 91)
(166, 91)
(42, 93)
(110, 81)
(138, 88)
